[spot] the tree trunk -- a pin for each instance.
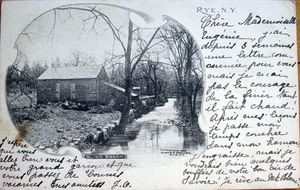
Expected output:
(155, 87)
(188, 87)
(128, 83)
(148, 85)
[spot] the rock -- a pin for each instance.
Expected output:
(115, 122)
(89, 139)
(58, 144)
(105, 130)
(42, 147)
(76, 139)
(110, 125)
(59, 130)
(50, 151)
(78, 127)
(37, 144)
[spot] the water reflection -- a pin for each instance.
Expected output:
(156, 130)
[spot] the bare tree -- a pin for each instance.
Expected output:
(131, 59)
(20, 82)
(56, 63)
(153, 71)
(185, 60)
(80, 59)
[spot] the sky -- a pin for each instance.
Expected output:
(60, 33)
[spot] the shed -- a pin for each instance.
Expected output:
(80, 84)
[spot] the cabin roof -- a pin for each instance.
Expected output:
(118, 88)
(79, 72)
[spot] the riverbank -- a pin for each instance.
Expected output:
(58, 127)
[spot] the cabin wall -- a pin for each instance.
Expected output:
(107, 93)
(85, 90)
(46, 91)
(104, 94)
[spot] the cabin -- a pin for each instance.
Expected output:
(86, 84)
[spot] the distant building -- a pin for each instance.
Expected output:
(80, 84)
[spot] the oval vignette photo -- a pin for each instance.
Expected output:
(88, 76)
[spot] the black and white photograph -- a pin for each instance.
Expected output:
(87, 76)
(149, 95)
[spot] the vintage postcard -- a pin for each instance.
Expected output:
(154, 94)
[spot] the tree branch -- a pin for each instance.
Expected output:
(144, 50)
